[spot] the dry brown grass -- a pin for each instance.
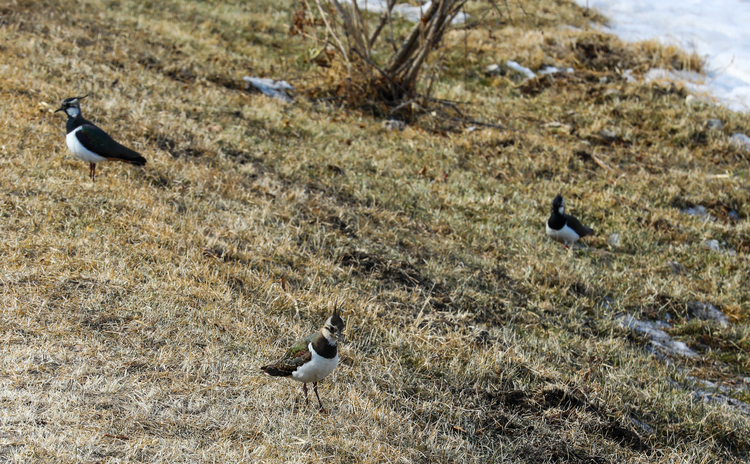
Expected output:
(135, 311)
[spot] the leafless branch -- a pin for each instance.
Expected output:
(384, 18)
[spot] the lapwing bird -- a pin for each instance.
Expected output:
(88, 142)
(312, 358)
(563, 227)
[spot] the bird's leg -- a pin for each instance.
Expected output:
(315, 389)
(304, 389)
(92, 171)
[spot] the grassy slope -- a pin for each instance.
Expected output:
(135, 311)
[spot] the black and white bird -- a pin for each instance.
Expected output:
(91, 144)
(312, 358)
(563, 227)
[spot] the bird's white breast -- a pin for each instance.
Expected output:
(316, 368)
(565, 235)
(79, 151)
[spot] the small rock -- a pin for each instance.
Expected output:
(611, 92)
(707, 312)
(698, 210)
(394, 124)
(712, 245)
(607, 303)
(643, 426)
(603, 80)
(614, 240)
(494, 70)
(733, 215)
(740, 140)
(714, 124)
(675, 267)
(608, 135)
(558, 127)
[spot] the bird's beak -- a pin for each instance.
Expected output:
(59, 109)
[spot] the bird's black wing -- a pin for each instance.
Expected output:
(296, 356)
(99, 142)
(579, 228)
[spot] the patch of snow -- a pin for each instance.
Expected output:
(520, 69)
(270, 87)
(660, 340)
(674, 348)
(740, 140)
(614, 239)
(554, 70)
(694, 82)
(707, 312)
(717, 30)
(493, 70)
(714, 245)
(408, 12)
(646, 328)
(714, 124)
(719, 399)
(394, 124)
(698, 210)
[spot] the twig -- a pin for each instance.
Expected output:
(520, 5)
(381, 23)
(401, 106)
(487, 124)
(348, 25)
(497, 8)
(450, 105)
(361, 28)
(435, 24)
(601, 163)
(407, 48)
(329, 28)
(507, 8)
(390, 29)
(369, 61)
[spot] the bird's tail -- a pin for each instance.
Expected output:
(126, 155)
(274, 371)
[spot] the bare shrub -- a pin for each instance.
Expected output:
(373, 71)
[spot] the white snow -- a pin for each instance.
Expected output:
(411, 13)
(521, 69)
(741, 140)
(554, 70)
(717, 29)
(270, 87)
